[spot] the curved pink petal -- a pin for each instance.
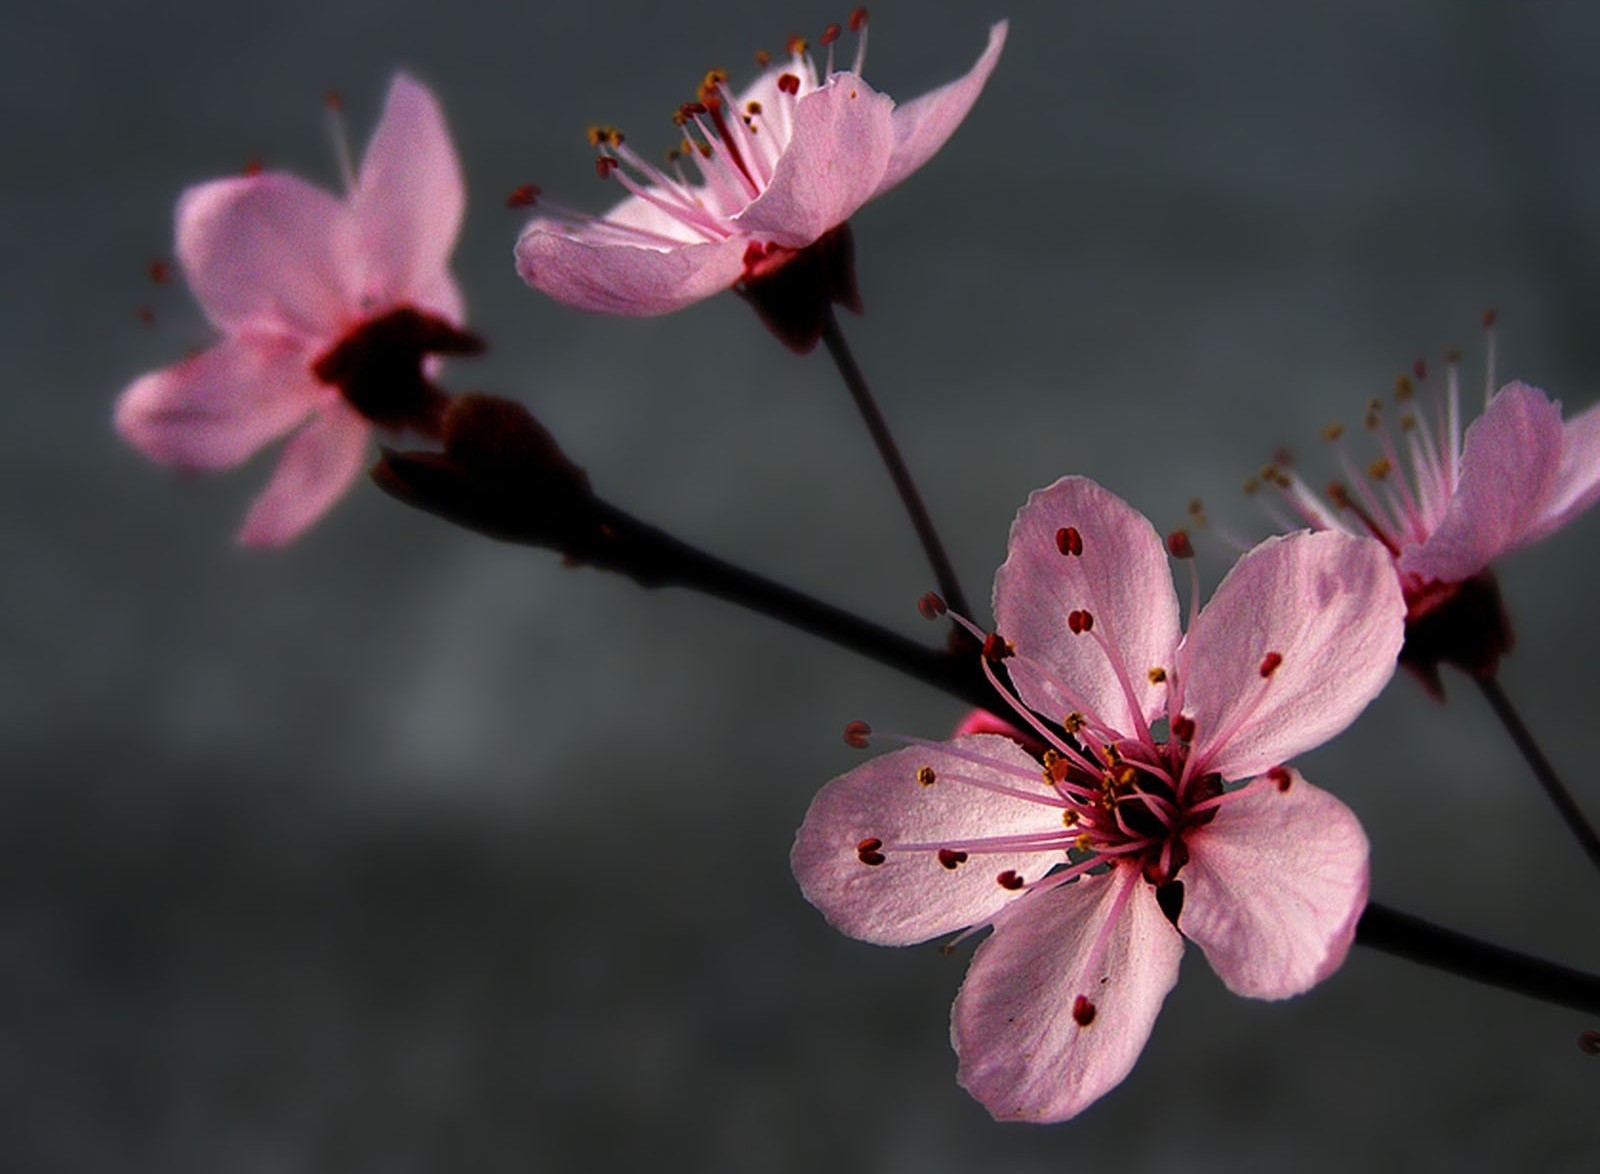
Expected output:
(925, 124)
(911, 896)
(1028, 1048)
(1121, 578)
(409, 197)
(1274, 887)
(318, 464)
(834, 162)
(1577, 480)
(268, 253)
(1509, 463)
(1299, 637)
(217, 408)
(633, 280)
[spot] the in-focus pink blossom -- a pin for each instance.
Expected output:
(1163, 809)
(327, 307)
(1447, 507)
(778, 168)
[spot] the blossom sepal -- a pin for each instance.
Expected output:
(1462, 624)
(792, 290)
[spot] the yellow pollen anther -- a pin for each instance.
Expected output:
(711, 85)
(1332, 432)
(925, 776)
(1379, 469)
(1073, 722)
(1083, 842)
(1125, 775)
(1404, 388)
(752, 108)
(1069, 818)
(1408, 422)
(1250, 486)
(1111, 754)
(1157, 675)
(604, 136)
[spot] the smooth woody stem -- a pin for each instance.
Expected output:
(1576, 821)
(1420, 941)
(944, 574)
(659, 559)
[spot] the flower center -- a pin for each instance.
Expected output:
(379, 366)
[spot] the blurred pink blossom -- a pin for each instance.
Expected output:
(326, 307)
(1093, 862)
(1447, 507)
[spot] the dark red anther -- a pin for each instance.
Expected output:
(1178, 544)
(160, 272)
(1183, 728)
(1419, 370)
(1589, 1042)
(332, 100)
(858, 20)
(604, 165)
(524, 196)
(1069, 542)
(931, 606)
(252, 166)
(831, 34)
(1083, 1011)
(1281, 778)
(994, 648)
(147, 316)
(1270, 663)
(856, 734)
(1009, 880)
(1489, 317)
(788, 83)
(952, 859)
(1079, 621)
(867, 851)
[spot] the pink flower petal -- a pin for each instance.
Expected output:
(1121, 578)
(1577, 481)
(1019, 1029)
(1274, 887)
(409, 197)
(843, 136)
(214, 410)
(1299, 637)
(911, 896)
(1510, 460)
(269, 253)
(586, 270)
(925, 124)
(318, 464)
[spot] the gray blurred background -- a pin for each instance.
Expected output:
(401, 851)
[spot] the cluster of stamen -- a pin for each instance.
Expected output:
(734, 149)
(1399, 496)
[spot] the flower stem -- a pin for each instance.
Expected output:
(1416, 940)
(1576, 822)
(943, 573)
(656, 558)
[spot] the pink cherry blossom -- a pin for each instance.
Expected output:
(1447, 507)
(326, 306)
(791, 158)
(1164, 810)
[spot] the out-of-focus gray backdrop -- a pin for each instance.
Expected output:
(401, 851)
